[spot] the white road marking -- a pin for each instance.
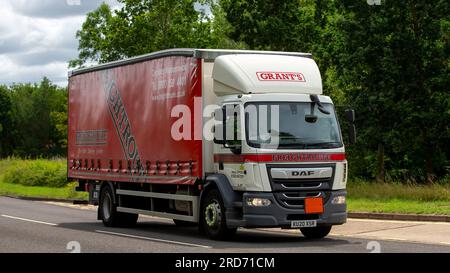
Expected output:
(28, 220)
(150, 239)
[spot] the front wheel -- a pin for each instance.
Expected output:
(213, 221)
(316, 232)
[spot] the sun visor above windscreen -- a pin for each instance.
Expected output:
(257, 73)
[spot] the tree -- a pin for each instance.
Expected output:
(286, 25)
(388, 61)
(58, 118)
(141, 27)
(392, 62)
(5, 121)
(37, 114)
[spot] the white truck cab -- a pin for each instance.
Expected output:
(284, 158)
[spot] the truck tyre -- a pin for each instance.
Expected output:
(212, 217)
(109, 214)
(316, 232)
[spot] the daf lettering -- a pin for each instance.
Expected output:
(302, 173)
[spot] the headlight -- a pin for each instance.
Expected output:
(338, 200)
(258, 202)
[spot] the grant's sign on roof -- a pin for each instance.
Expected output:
(281, 76)
(259, 74)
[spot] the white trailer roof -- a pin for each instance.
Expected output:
(265, 73)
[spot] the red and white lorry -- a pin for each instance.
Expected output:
(150, 135)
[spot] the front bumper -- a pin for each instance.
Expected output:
(275, 215)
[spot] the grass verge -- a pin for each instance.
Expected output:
(37, 172)
(30, 178)
(398, 206)
(66, 192)
(364, 196)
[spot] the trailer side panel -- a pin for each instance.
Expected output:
(121, 119)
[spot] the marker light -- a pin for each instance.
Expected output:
(258, 202)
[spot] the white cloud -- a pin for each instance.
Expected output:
(15, 73)
(37, 38)
(54, 8)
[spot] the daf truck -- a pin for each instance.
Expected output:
(221, 139)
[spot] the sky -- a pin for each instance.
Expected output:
(37, 38)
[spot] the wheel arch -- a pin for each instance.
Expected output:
(222, 184)
(230, 200)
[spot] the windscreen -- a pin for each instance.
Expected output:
(292, 125)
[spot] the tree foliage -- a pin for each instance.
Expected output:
(392, 62)
(5, 121)
(389, 62)
(37, 120)
(287, 25)
(141, 27)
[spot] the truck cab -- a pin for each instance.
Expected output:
(278, 144)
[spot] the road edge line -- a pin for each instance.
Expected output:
(150, 238)
(28, 220)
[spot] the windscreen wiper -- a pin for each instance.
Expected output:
(315, 100)
(323, 144)
(312, 118)
(293, 145)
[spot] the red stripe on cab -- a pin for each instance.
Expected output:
(288, 157)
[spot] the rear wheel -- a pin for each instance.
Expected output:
(316, 232)
(213, 221)
(109, 214)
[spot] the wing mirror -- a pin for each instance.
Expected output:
(350, 116)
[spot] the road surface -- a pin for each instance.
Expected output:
(31, 226)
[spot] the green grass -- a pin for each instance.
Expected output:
(398, 206)
(5, 163)
(366, 196)
(385, 191)
(19, 178)
(17, 190)
(39, 172)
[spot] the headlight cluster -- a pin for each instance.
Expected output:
(258, 202)
(338, 200)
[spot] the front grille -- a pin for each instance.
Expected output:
(296, 200)
(301, 184)
(291, 193)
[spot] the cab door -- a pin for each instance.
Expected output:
(230, 156)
